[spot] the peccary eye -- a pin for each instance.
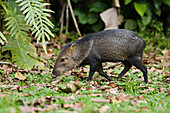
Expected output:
(63, 59)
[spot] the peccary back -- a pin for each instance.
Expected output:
(110, 45)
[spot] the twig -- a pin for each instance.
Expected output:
(36, 58)
(62, 18)
(67, 18)
(74, 19)
(13, 65)
(9, 64)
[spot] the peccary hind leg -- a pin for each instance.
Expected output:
(127, 67)
(100, 71)
(137, 62)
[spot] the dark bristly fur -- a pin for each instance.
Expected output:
(116, 45)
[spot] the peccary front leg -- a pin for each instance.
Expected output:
(127, 67)
(96, 65)
(93, 67)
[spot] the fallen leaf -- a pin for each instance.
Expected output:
(30, 109)
(67, 99)
(24, 95)
(148, 90)
(19, 76)
(76, 106)
(161, 90)
(104, 109)
(145, 108)
(124, 97)
(141, 97)
(112, 85)
(96, 95)
(113, 90)
(3, 95)
(134, 102)
(71, 88)
(100, 100)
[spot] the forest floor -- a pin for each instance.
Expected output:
(34, 90)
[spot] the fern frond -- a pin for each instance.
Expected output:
(16, 25)
(2, 38)
(37, 18)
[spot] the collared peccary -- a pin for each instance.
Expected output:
(116, 45)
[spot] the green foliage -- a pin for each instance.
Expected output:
(167, 2)
(140, 8)
(2, 36)
(32, 16)
(15, 24)
(19, 48)
(36, 17)
(90, 16)
(147, 11)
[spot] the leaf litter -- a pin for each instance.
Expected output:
(99, 90)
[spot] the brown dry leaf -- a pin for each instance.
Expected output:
(56, 81)
(145, 108)
(115, 100)
(141, 97)
(67, 99)
(148, 90)
(76, 106)
(24, 95)
(113, 90)
(166, 54)
(104, 88)
(112, 85)
(152, 69)
(30, 109)
(104, 109)
(96, 95)
(134, 102)
(124, 97)
(19, 76)
(161, 90)
(135, 71)
(100, 100)
(3, 95)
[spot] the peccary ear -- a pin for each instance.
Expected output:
(71, 49)
(83, 49)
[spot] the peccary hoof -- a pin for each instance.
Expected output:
(53, 76)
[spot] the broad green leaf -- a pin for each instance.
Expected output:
(130, 24)
(140, 8)
(157, 11)
(167, 2)
(92, 18)
(126, 2)
(97, 7)
(146, 19)
(19, 49)
(141, 26)
(157, 4)
(83, 19)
